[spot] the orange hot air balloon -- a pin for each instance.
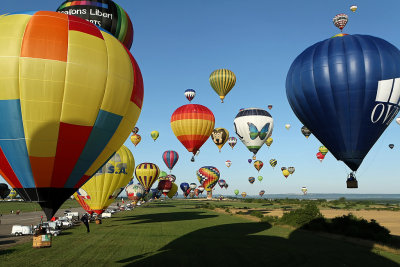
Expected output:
(192, 124)
(258, 165)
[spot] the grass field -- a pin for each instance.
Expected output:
(176, 233)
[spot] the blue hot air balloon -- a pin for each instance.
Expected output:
(184, 187)
(346, 90)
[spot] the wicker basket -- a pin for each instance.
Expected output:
(98, 221)
(352, 184)
(42, 241)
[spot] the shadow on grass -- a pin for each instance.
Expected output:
(6, 251)
(4, 242)
(239, 245)
(166, 217)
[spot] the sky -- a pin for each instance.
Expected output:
(178, 43)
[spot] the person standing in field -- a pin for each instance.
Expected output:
(85, 220)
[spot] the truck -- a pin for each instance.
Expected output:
(72, 215)
(21, 230)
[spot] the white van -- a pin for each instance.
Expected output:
(106, 215)
(21, 230)
(72, 215)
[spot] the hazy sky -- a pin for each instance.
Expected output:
(177, 44)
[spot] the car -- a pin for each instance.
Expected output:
(64, 222)
(21, 230)
(106, 215)
(51, 228)
(66, 212)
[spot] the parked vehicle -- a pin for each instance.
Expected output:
(21, 230)
(51, 228)
(106, 215)
(72, 215)
(65, 222)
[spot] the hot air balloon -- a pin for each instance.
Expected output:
(236, 192)
(391, 146)
(226, 186)
(253, 126)
(262, 192)
(304, 190)
(260, 178)
(249, 161)
(353, 8)
(190, 94)
(147, 173)
(135, 139)
(164, 186)
(232, 142)
(4, 191)
(193, 186)
(291, 170)
(273, 163)
(221, 183)
(244, 194)
(103, 13)
(80, 196)
(251, 180)
(184, 187)
(163, 174)
(154, 135)
(60, 119)
(340, 20)
(13, 194)
(398, 120)
(323, 150)
(258, 164)
(287, 126)
(269, 107)
(170, 158)
(219, 137)
(320, 156)
(305, 131)
(228, 163)
(135, 130)
(192, 194)
(269, 141)
(171, 177)
(108, 182)
(222, 81)
(192, 124)
(208, 177)
(172, 192)
(201, 189)
(135, 192)
(351, 181)
(283, 168)
(285, 173)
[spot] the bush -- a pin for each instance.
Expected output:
(301, 216)
(228, 210)
(270, 219)
(241, 213)
(257, 213)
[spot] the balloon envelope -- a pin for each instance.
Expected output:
(208, 177)
(154, 135)
(232, 142)
(173, 190)
(236, 192)
(170, 158)
(190, 94)
(4, 191)
(222, 81)
(147, 174)
(219, 137)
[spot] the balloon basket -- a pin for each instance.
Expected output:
(352, 184)
(98, 221)
(42, 241)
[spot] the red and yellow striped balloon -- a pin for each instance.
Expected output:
(147, 174)
(192, 124)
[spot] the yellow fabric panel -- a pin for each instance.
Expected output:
(121, 134)
(192, 127)
(41, 93)
(12, 30)
(120, 77)
(85, 79)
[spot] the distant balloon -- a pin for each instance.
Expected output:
(201, 189)
(236, 192)
(147, 174)
(244, 194)
(13, 194)
(273, 163)
(391, 146)
(221, 183)
(287, 126)
(219, 137)
(251, 180)
(4, 191)
(283, 168)
(193, 186)
(163, 174)
(262, 192)
(304, 190)
(154, 135)
(222, 81)
(260, 178)
(320, 156)
(232, 142)
(190, 94)
(269, 141)
(135, 139)
(249, 161)
(258, 164)
(164, 186)
(305, 131)
(208, 177)
(172, 192)
(291, 170)
(228, 163)
(269, 107)
(285, 173)
(170, 158)
(171, 177)
(184, 187)
(323, 150)
(135, 130)
(398, 120)
(226, 186)
(340, 21)
(353, 8)
(135, 192)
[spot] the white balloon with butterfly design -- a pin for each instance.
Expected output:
(253, 126)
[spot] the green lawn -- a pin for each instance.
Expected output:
(7, 206)
(177, 234)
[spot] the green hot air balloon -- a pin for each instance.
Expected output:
(236, 192)
(260, 178)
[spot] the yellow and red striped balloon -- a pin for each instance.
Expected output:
(208, 177)
(147, 174)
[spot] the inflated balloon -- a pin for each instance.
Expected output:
(340, 20)
(320, 156)
(226, 186)
(196, 192)
(147, 174)
(190, 94)
(201, 189)
(193, 186)
(135, 130)
(108, 182)
(249, 161)
(398, 120)
(244, 194)
(228, 163)
(171, 177)
(291, 170)
(262, 192)
(135, 192)
(260, 178)
(391, 146)
(219, 137)
(172, 192)
(269, 107)
(13, 194)
(285, 173)
(368, 92)
(80, 196)
(184, 187)
(236, 192)
(162, 174)
(192, 124)
(164, 186)
(135, 139)
(258, 164)
(221, 183)
(269, 141)
(170, 158)
(222, 81)
(251, 180)
(287, 126)
(154, 135)
(253, 126)
(69, 103)
(304, 190)
(103, 13)
(4, 191)
(283, 168)
(305, 131)
(273, 163)
(232, 142)
(353, 8)
(323, 150)
(208, 177)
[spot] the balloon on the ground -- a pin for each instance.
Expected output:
(232, 142)
(222, 81)
(236, 192)
(273, 163)
(170, 158)
(193, 186)
(190, 94)
(251, 180)
(135, 130)
(244, 194)
(103, 13)
(135, 192)
(172, 192)
(391, 146)
(154, 135)
(253, 126)
(13, 194)
(171, 177)
(368, 93)
(4, 191)
(258, 164)
(340, 20)
(192, 124)
(147, 173)
(260, 178)
(108, 182)
(135, 139)
(184, 187)
(164, 186)
(262, 192)
(305, 131)
(219, 137)
(291, 170)
(285, 173)
(163, 174)
(269, 141)
(60, 121)
(201, 189)
(221, 183)
(228, 163)
(353, 8)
